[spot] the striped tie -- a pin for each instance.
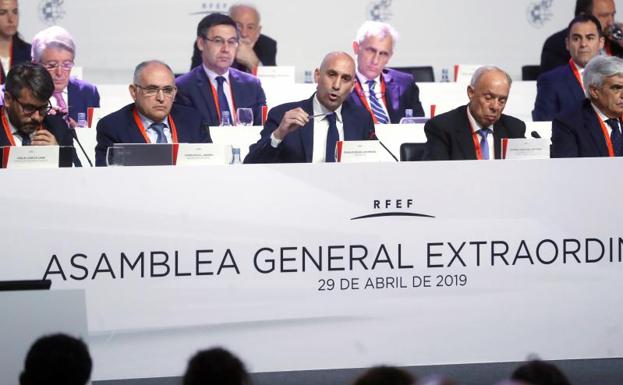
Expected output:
(375, 104)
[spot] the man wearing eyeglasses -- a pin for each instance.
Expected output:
(54, 48)
(385, 93)
(214, 87)
(25, 118)
(152, 118)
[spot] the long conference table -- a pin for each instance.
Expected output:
(326, 266)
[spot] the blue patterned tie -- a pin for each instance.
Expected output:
(222, 99)
(332, 138)
(159, 128)
(376, 106)
(616, 137)
(484, 145)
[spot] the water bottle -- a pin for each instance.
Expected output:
(308, 77)
(408, 118)
(445, 77)
(82, 119)
(225, 119)
(235, 155)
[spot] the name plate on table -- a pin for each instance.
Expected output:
(362, 151)
(200, 154)
(24, 157)
(525, 148)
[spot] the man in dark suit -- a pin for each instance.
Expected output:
(561, 88)
(214, 87)
(152, 118)
(383, 92)
(594, 127)
(54, 48)
(255, 49)
(25, 114)
(13, 50)
(308, 130)
(471, 131)
(555, 54)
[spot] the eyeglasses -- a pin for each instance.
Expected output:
(29, 109)
(167, 91)
(67, 65)
(219, 41)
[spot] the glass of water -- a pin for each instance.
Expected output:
(245, 116)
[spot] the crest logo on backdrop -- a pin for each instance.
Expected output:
(212, 7)
(539, 13)
(51, 11)
(379, 10)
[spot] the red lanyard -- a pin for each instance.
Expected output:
(576, 73)
(474, 138)
(139, 123)
(7, 130)
(364, 100)
(215, 97)
(606, 136)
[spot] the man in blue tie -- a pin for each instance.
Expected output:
(594, 127)
(383, 92)
(307, 130)
(152, 118)
(214, 87)
(475, 131)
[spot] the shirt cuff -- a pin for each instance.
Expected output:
(274, 142)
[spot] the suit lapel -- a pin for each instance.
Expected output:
(464, 135)
(72, 91)
(205, 88)
(135, 135)
(574, 88)
(307, 131)
(591, 122)
(392, 97)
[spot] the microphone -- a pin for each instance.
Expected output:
(535, 135)
(387, 149)
(75, 136)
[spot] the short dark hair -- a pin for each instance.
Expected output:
(583, 7)
(385, 375)
(214, 19)
(57, 359)
(539, 372)
(584, 18)
(215, 366)
(30, 76)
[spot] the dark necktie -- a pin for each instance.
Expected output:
(484, 145)
(375, 105)
(615, 137)
(25, 138)
(332, 138)
(222, 99)
(159, 128)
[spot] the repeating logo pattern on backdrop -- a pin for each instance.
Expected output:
(380, 10)
(539, 13)
(51, 11)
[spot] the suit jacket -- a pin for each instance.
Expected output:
(401, 93)
(120, 127)
(577, 133)
(297, 146)
(80, 96)
(193, 90)
(449, 136)
(265, 48)
(21, 54)
(53, 123)
(557, 90)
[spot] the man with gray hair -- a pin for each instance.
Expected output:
(383, 92)
(152, 118)
(475, 131)
(54, 48)
(594, 128)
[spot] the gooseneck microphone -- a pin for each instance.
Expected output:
(75, 136)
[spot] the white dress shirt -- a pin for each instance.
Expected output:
(227, 89)
(153, 134)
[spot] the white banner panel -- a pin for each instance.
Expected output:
(328, 265)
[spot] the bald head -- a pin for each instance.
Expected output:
(335, 78)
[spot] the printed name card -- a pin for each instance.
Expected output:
(276, 73)
(25, 157)
(203, 154)
(525, 148)
(362, 151)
